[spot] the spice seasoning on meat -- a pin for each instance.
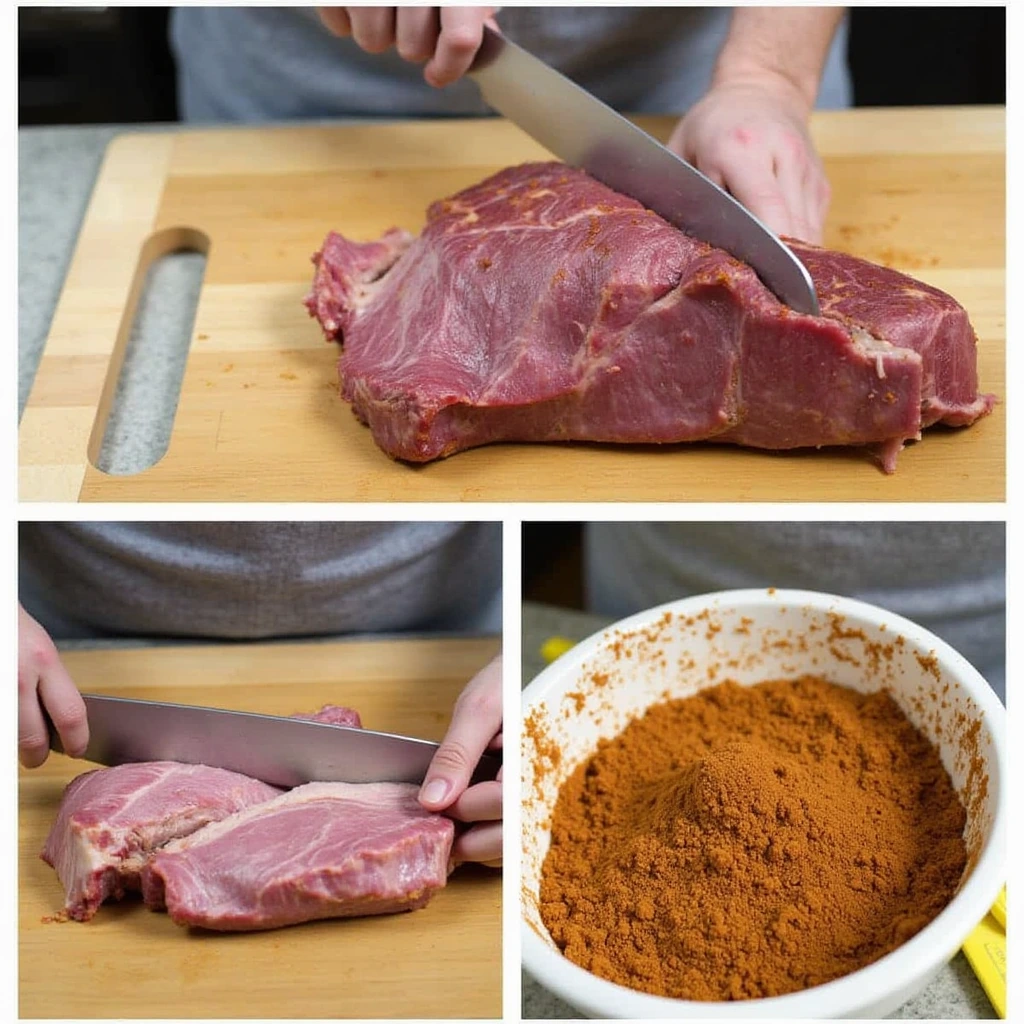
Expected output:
(752, 841)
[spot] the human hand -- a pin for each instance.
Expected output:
(445, 38)
(475, 727)
(43, 682)
(750, 137)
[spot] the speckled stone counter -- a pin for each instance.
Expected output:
(954, 994)
(57, 169)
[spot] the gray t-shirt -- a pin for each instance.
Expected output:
(256, 64)
(948, 577)
(258, 580)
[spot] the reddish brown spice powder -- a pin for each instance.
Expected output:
(752, 841)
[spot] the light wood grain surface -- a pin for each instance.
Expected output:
(442, 961)
(259, 416)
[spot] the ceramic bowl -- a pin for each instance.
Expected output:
(751, 636)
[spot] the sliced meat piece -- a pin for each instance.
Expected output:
(110, 820)
(326, 849)
(541, 305)
(334, 714)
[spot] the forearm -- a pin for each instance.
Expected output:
(789, 43)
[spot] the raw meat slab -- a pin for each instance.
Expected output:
(320, 850)
(539, 305)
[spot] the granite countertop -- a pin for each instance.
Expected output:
(955, 993)
(57, 169)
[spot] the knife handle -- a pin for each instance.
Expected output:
(491, 45)
(55, 744)
(487, 769)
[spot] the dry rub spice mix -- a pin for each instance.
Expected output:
(752, 841)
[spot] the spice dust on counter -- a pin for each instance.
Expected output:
(752, 841)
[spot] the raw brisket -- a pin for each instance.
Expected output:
(321, 850)
(540, 305)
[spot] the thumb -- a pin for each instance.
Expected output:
(476, 720)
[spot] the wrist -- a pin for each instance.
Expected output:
(779, 48)
(796, 91)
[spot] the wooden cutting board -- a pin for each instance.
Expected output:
(442, 961)
(259, 417)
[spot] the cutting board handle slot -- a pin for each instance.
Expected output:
(147, 364)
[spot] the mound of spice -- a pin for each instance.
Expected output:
(752, 841)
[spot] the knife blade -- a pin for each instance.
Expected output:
(586, 133)
(283, 752)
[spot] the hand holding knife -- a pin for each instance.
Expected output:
(586, 133)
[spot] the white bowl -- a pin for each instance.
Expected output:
(751, 636)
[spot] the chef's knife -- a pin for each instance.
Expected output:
(586, 133)
(281, 751)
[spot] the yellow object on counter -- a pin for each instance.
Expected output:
(999, 908)
(985, 949)
(554, 647)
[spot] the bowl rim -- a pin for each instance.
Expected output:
(917, 958)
